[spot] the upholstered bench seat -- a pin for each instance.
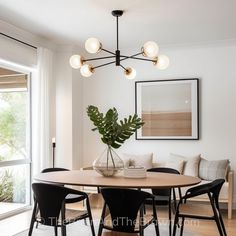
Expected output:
(193, 166)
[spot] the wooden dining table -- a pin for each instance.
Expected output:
(93, 179)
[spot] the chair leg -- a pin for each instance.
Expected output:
(174, 200)
(63, 226)
(102, 220)
(31, 227)
(55, 230)
(144, 208)
(175, 223)
(222, 224)
(85, 221)
(36, 213)
(217, 220)
(141, 233)
(215, 208)
(32, 220)
(100, 229)
(63, 230)
(141, 222)
(170, 225)
(90, 217)
(182, 226)
(155, 218)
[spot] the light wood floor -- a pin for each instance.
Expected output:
(16, 224)
(201, 227)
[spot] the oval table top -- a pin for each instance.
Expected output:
(92, 178)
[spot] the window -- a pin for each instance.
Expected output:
(15, 141)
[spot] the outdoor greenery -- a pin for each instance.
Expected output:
(12, 187)
(6, 187)
(114, 132)
(12, 144)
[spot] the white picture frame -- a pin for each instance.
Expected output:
(169, 108)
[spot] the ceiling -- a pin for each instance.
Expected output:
(168, 22)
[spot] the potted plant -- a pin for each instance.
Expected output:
(114, 133)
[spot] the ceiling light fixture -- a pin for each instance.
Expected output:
(149, 51)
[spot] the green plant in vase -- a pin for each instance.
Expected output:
(114, 133)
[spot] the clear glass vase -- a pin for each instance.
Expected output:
(109, 163)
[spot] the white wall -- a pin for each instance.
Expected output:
(63, 77)
(69, 116)
(77, 119)
(19, 53)
(214, 65)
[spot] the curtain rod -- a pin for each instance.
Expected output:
(19, 41)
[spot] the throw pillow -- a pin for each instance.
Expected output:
(185, 165)
(191, 166)
(175, 164)
(211, 170)
(144, 160)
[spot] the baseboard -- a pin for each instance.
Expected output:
(224, 205)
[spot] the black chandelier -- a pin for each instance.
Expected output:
(149, 51)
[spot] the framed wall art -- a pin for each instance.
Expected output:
(169, 108)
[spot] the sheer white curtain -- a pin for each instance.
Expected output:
(41, 101)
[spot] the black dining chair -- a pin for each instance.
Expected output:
(70, 198)
(50, 207)
(124, 206)
(197, 210)
(164, 196)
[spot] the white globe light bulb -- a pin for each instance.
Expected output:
(76, 61)
(93, 45)
(130, 73)
(162, 62)
(86, 70)
(150, 49)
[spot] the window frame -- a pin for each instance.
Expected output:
(27, 161)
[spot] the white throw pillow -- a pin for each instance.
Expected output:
(191, 166)
(175, 164)
(144, 160)
(185, 165)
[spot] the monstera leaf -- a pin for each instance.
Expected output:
(114, 132)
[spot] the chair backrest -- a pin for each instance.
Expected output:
(49, 199)
(124, 205)
(164, 170)
(212, 188)
(53, 169)
(163, 192)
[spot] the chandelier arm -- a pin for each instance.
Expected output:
(143, 59)
(98, 58)
(136, 54)
(105, 50)
(123, 67)
(124, 58)
(127, 57)
(104, 64)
